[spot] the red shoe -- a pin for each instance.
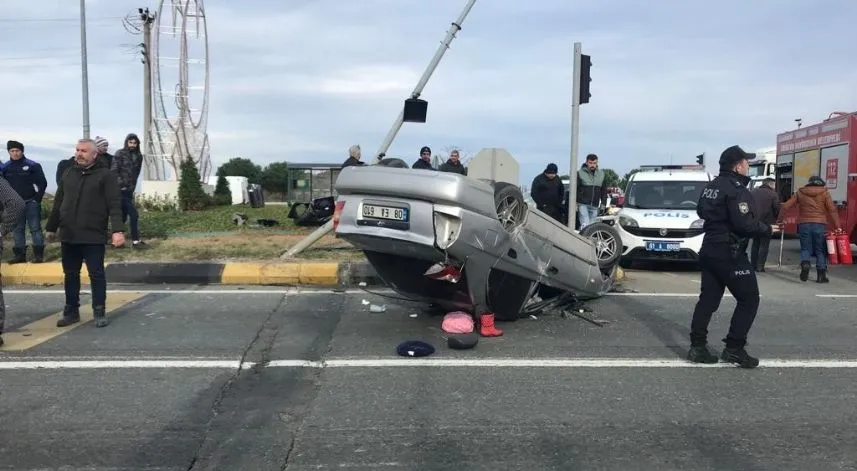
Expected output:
(486, 326)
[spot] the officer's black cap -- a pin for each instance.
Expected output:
(733, 155)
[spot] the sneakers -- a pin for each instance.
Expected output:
(701, 354)
(740, 357)
(70, 315)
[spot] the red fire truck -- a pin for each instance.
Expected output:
(827, 149)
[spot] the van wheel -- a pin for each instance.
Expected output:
(608, 244)
(510, 205)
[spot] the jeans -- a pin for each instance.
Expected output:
(129, 211)
(586, 214)
(812, 243)
(31, 218)
(73, 257)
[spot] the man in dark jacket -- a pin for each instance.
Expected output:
(453, 165)
(12, 207)
(424, 162)
(86, 199)
(766, 206)
(126, 165)
(353, 157)
(548, 192)
(28, 179)
(102, 145)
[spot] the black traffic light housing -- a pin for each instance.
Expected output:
(700, 159)
(415, 111)
(585, 79)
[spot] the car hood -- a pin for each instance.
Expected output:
(660, 218)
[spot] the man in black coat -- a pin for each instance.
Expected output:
(424, 162)
(548, 192)
(28, 179)
(87, 198)
(766, 205)
(453, 165)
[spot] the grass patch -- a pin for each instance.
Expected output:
(160, 224)
(243, 245)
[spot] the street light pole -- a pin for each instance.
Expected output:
(84, 69)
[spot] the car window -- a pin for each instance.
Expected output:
(663, 194)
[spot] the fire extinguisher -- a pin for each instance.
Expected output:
(843, 246)
(832, 256)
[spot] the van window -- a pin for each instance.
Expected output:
(663, 195)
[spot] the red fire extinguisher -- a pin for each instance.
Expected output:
(832, 256)
(843, 246)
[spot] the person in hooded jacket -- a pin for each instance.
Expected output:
(548, 192)
(815, 208)
(766, 205)
(126, 165)
(453, 165)
(87, 198)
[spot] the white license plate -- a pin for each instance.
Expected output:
(663, 246)
(385, 212)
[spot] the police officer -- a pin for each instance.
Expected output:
(726, 207)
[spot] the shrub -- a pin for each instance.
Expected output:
(222, 195)
(191, 195)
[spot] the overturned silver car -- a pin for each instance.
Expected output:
(468, 244)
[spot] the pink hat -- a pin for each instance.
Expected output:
(457, 322)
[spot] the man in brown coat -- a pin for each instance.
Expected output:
(815, 208)
(766, 205)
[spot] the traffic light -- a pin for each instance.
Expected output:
(585, 79)
(700, 159)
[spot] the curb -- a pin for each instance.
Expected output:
(203, 273)
(210, 273)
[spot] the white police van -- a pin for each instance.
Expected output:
(658, 220)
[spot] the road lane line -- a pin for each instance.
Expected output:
(836, 295)
(279, 292)
(45, 329)
(569, 363)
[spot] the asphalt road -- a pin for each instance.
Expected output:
(250, 379)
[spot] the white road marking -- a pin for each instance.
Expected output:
(281, 292)
(413, 362)
(836, 295)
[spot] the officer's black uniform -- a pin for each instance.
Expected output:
(726, 206)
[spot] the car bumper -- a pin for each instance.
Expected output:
(634, 247)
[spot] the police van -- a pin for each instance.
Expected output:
(657, 220)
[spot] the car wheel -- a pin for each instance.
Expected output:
(510, 205)
(393, 162)
(608, 244)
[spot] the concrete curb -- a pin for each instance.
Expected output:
(204, 273)
(211, 273)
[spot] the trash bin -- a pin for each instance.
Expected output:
(257, 199)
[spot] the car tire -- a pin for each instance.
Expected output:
(393, 162)
(608, 244)
(510, 205)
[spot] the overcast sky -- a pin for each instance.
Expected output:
(301, 80)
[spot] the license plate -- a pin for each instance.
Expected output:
(663, 246)
(385, 212)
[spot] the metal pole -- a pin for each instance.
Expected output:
(147, 98)
(397, 124)
(84, 69)
(575, 137)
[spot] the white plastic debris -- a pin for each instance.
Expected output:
(362, 283)
(377, 308)
(365, 302)
(413, 315)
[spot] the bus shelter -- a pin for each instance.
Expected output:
(309, 181)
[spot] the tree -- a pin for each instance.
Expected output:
(611, 178)
(275, 177)
(191, 195)
(222, 194)
(241, 167)
(623, 183)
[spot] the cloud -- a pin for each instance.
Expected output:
(302, 80)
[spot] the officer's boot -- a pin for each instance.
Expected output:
(804, 271)
(701, 354)
(100, 316)
(740, 357)
(821, 276)
(38, 253)
(19, 255)
(70, 315)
